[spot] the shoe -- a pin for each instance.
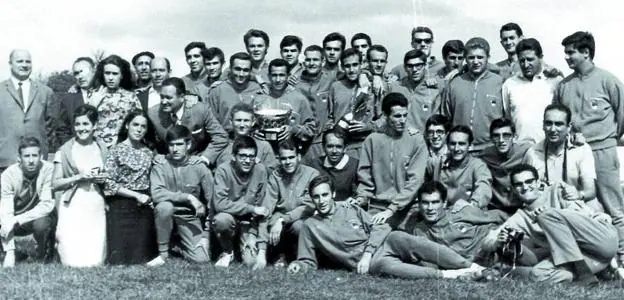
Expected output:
(281, 262)
(156, 262)
(225, 259)
(9, 260)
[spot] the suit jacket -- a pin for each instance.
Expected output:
(144, 98)
(37, 120)
(209, 138)
(64, 125)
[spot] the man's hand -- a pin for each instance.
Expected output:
(363, 82)
(577, 139)
(355, 201)
(200, 209)
(205, 160)
(7, 227)
(257, 134)
(293, 79)
(260, 211)
(143, 199)
(382, 217)
(328, 126)
(364, 264)
(378, 85)
(294, 267)
(276, 232)
(285, 133)
(260, 262)
(569, 192)
(502, 237)
(357, 126)
(459, 204)
(604, 218)
(536, 212)
(265, 88)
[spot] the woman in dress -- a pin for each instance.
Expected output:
(113, 97)
(81, 228)
(131, 233)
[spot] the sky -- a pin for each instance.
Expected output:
(56, 32)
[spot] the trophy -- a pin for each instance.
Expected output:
(271, 115)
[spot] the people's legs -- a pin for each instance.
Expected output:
(287, 246)
(609, 191)
(191, 231)
(43, 232)
(163, 217)
(547, 271)
(248, 241)
(225, 230)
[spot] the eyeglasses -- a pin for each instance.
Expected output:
(420, 41)
(455, 57)
(436, 132)
(519, 185)
(418, 66)
(504, 136)
(246, 156)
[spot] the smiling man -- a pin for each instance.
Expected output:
(436, 130)
(141, 62)
(422, 39)
(290, 48)
(195, 61)
(510, 36)
(83, 70)
(257, 44)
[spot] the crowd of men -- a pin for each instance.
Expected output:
(436, 168)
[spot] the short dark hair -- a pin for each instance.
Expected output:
(455, 46)
(258, 34)
(212, 52)
(239, 55)
(562, 108)
(143, 53)
(430, 187)
(335, 36)
(177, 132)
(463, 129)
(509, 27)
(335, 133)
(88, 111)
(278, 62)
(348, 53)
(361, 36)
(287, 144)
(318, 180)
(414, 54)
(478, 43)
(28, 141)
(522, 168)
(438, 120)
(421, 29)
(581, 40)
(378, 48)
(241, 106)
(391, 100)
(244, 142)
(291, 40)
(86, 59)
(177, 83)
(314, 48)
(500, 123)
(191, 45)
(530, 44)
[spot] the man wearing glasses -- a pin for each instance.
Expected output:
(436, 129)
(422, 39)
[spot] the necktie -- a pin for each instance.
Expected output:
(20, 91)
(174, 119)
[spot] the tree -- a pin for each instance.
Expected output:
(61, 81)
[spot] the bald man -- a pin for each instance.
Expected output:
(28, 109)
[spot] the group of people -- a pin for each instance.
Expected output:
(433, 169)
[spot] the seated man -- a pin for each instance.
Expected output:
(26, 203)
(502, 156)
(178, 181)
(243, 122)
(467, 178)
(391, 165)
(581, 242)
(442, 244)
(436, 130)
(289, 204)
(345, 234)
(239, 191)
(340, 167)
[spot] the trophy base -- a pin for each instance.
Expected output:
(271, 134)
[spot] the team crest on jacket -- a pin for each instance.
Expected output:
(356, 224)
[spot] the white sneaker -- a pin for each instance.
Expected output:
(9, 260)
(156, 262)
(224, 260)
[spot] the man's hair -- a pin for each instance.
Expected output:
(212, 52)
(430, 187)
(522, 168)
(414, 54)
(318, 180)
(455, 46)
(28, 141)
(177, 83)
(421, 29)
(239, 55)
(124, 69)
(287, 144)
(500, 123)
(361, 36)
(241, 106)
(348, 53)
(86, 59)
(478, 43)
(438, 120)
(391, 100)
(562, 108)
(530, 44)
(257, 33)
(378, 48)
(314, 48)
(581, 40)
(511, 26)
(243, 142)
(191, 45)
(143, 53)
(178, 132)
(335, 133)
(88, 111)
(278, 62)
(463, 129)
(291, 40)
(335, 36)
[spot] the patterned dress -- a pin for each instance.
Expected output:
(112, 109)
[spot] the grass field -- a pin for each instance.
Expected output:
(181, 280)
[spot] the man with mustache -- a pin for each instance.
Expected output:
(26, 204)
(83, 70)
(195, 61)
(422, 39)
(141, 62)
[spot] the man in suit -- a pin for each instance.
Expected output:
(209, 138)
(28, 109)
(83, 70)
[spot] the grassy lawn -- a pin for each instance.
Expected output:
(180, 280)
